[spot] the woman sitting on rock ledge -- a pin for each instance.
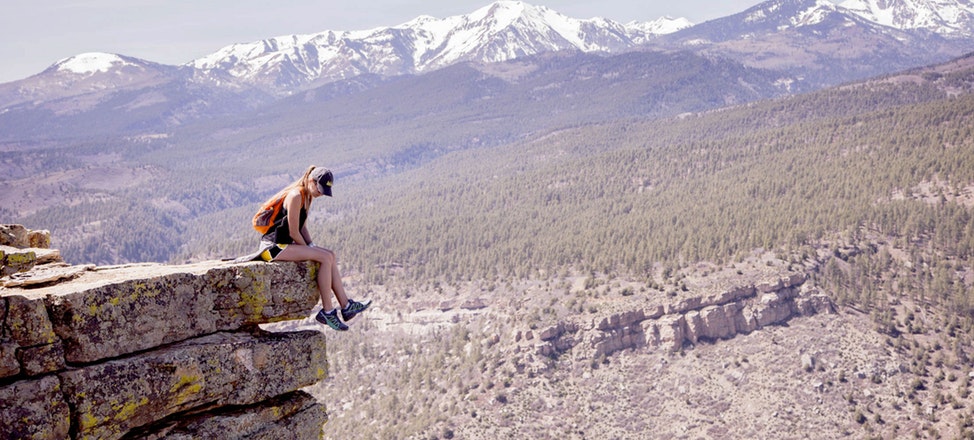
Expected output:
(288, 240)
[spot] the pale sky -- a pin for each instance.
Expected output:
(34, 34)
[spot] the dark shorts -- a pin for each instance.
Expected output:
(272, 252)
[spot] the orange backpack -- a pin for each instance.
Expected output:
(264, 219)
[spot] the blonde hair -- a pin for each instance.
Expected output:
(300, 185)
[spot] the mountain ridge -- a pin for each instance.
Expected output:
(822, 43)
(425, 43)
(497, 32)
(813, 43)
(486, 35)
(944, 17)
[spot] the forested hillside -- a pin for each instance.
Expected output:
(627, 195)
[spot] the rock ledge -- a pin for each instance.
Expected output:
(158, 351)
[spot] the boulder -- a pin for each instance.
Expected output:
(622, 320)
(814, 303)
(807, 362)
(552, 332)
(684, 305)
(14, 236)
(654, 312)
(39, 239)
(745, 320)
(21, 249)
(770, 286)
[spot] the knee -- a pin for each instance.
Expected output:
(327, 257)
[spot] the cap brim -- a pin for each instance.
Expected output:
(324, 189)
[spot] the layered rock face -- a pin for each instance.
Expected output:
(158, 351)
(707, 313)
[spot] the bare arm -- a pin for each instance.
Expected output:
(307, 237)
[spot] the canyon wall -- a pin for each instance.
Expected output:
(710, 311)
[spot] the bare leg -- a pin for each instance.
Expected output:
(336, 282)
(328, 275)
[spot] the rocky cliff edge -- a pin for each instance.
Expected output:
(154, 351)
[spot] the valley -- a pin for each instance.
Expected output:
(478, 373)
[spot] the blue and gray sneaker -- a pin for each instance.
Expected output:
(331, 319)
(354, 308)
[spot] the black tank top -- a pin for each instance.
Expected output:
(281, 232)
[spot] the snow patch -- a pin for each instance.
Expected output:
(89, 63)
(945, 17)
(813, 15)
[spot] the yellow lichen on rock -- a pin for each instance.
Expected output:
(127, 410)
(88, 421)
(186, 388)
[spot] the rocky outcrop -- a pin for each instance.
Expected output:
(159, 351)
(709, 313)
(21, 249)
(20, 237)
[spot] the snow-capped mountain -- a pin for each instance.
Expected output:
(822, 42)
(660, 26)
(773, 17)
(498, 32)
(813, 43)
(85, 74)
(509, 29)
(941, 18)
(102, 92)
(948, 18)
(89, 63)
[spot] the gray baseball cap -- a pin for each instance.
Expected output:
(324, 178)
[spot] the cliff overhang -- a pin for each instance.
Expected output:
(158, 351)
